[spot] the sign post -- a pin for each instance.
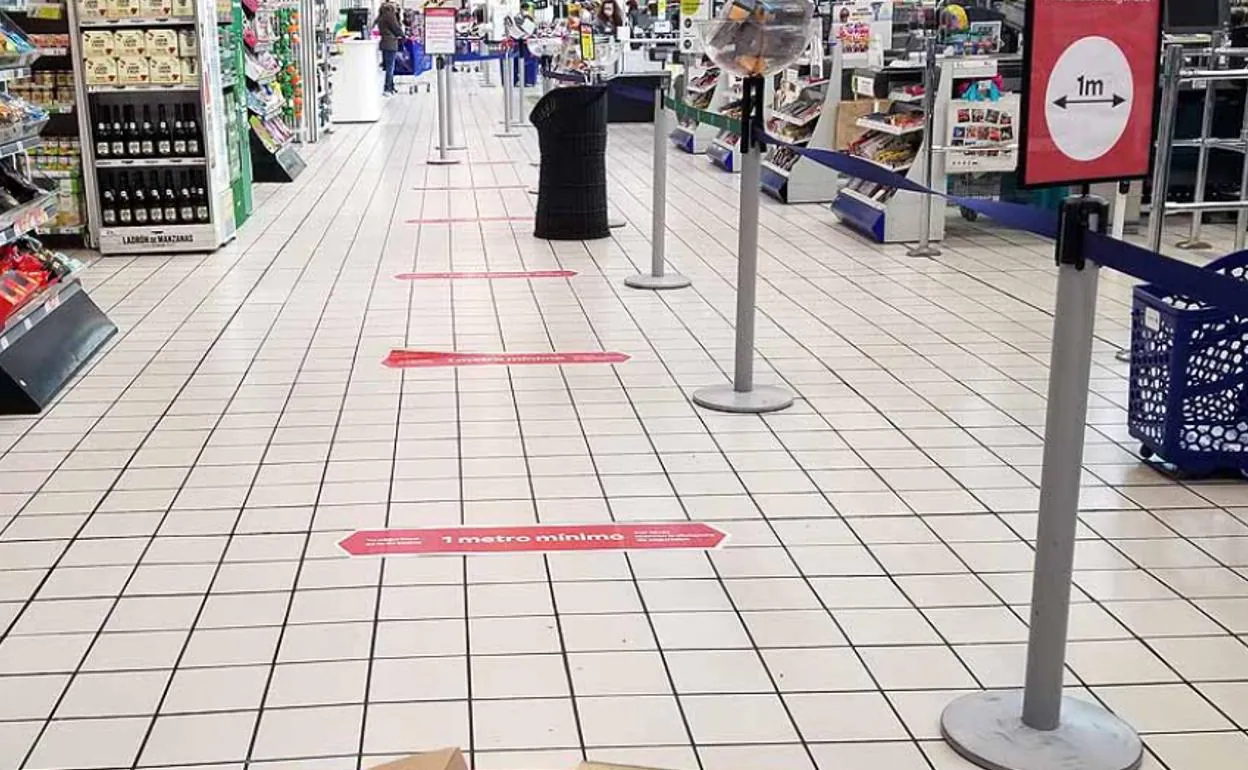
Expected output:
(1090, 83)
(440, 43)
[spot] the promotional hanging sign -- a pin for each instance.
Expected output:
(439, 31)
(668, 535)
(1090, 80)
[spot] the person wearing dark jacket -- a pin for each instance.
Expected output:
(391, 36)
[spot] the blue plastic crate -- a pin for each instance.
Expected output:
(1188, 401)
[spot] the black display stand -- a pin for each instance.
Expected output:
(283, 166)
(44, 345)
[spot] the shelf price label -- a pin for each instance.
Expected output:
(1090, 83)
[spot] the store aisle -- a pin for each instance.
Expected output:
(175, 595)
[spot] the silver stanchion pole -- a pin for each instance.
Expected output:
(1193, 240)
(508, 74)
(450, 106)
(1241, 216)
(444, 141)
(924, 248)
(521, 118)
(1172, 65)
(742, 395)
(1053, 731)
(658, 278)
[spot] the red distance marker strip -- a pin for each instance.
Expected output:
(489, 276)
(409, 359)
(543, 538)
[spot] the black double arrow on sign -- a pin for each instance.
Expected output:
(1065, 101)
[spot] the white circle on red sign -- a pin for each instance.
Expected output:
(1088, 101)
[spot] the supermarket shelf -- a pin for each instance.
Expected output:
(66, 230)
(862, 198)
(14, 73)
(787, 118)
(148, 162)
(905, 98)
(264, 79)
(44, 301)
(895, 169)
(36, 10)
(27, 217)
(169, 21)
(269, 114)
(143, 87)
(778, 169)
(20, 145)
(58, 173)
(888, 128)
(54, 51)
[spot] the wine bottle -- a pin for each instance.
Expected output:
(179, 133)
(186, 206)
(171, 203)
(125, 216)
(192, 131)
(117, 136)
(155, 207)
(146, 144)
(133, 148)
(164, 142)
(139, 201)
(102, 148)
(108, 203)
(201, 203)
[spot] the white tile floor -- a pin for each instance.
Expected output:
(174, 597)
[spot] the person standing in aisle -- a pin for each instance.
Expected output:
(391, 37)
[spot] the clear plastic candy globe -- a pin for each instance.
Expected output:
(758, 37)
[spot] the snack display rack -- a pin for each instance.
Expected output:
(155, 164)
(806, 114)
(234, 105)
(49, 327)
(275, 101)
(723, 148)
(895, 139)
(705, 89)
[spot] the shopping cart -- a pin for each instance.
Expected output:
(410, 63)
(1188, 399)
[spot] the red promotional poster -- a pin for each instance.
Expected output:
(1090, 72)
(539, 538)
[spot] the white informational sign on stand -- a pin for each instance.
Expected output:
(856, 23)
(693, 13)
(440, 31)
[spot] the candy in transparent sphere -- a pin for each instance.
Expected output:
(758, 37)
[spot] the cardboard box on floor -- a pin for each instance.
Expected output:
(452, 758)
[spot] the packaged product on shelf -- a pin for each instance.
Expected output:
(165, 70)
(130, 42)
(18, 117)
(183, 8)
(98, 43)
(132, 70)
(125, 9)
(157, 9)
(161, 42)
(190, 70)
(92, 10)
(101, 71)
(188, 45)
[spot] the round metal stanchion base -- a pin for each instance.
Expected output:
(1190, 245)
(451, 147)
(1123, 355)
(615, 222)
(923, 251)
(657, 282)
(535, 163)
(723, 398)
(987, 729)
(532, 191)
(442, 161)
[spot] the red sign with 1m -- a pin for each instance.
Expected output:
(541, 538)
(1090, 73)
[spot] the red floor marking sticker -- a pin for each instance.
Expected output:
(465, 220)
(407, 359)
(473, 188)
(567, 537)
(490, 276)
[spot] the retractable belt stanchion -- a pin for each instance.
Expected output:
(521, 119)
(444, 140)
(1054, 731)
(658, 278)
(1171, 70)
(453, 143)
(742, 395)
(930, 83)
(508, 75)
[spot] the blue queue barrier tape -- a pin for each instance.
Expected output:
(1174, 275)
